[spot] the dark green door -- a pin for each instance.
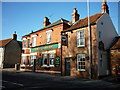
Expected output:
(67, 66)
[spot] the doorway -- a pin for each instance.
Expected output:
(67, 66)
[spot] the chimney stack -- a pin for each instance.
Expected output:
(46, 21)
(75, 16)
(14, 36)
(105, 8)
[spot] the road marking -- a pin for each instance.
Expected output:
(12, 82)
(2, 86)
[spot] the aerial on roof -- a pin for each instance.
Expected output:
(84, 22)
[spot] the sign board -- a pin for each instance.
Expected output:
(57, 61)
(64, 39)
(42, 48)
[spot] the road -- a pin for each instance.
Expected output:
(37, 81)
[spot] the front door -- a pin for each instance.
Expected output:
(67, 66)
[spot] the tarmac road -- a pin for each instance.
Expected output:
(36, 81)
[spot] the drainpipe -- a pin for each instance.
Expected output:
(61, 54)
(89, 40)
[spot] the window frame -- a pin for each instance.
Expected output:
(43, 64)
(33, 40)
(28, 43)
(48, 36)
(24, 43)
(51, 58)
(79, 62)
(80, 39)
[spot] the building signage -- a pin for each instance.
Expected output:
(64, 40)
(42, 48)
(57, 61)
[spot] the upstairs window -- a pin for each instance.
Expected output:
(28, 43)
(80, 38)
(33, 41)
(24, 43)
(48, 36)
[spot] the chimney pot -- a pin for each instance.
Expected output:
(75, 15)
(46, 21)
(14, 36)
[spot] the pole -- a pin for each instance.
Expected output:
(89, 39)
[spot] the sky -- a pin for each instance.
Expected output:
(23, 17)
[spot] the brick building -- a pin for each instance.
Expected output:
(44, 46)
(10, 52)
(75, 54)
(115, 55)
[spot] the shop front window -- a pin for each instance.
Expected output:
(81, 62)
(44, 59)
(23, 60)
(33, 57)
(51, 59)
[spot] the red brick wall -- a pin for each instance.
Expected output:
(72, 50)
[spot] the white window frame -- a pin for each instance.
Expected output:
(33, 40)
(24, 43)
(23, 60)
(80, 38)
(48, 36)
(28, 43)
(44, 60)
(32, 57)
(79, 62)
(51, 58)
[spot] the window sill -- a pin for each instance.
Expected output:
(48, 66)
(81, 70)
(81, 46)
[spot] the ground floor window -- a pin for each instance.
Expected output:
(51, 59)
(23, 60)
(33, 57)
(48, 59)
(44, 59)
(81, 62)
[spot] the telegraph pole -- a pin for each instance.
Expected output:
(89, 39)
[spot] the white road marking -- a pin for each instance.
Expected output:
(2, 86)
(12, 82)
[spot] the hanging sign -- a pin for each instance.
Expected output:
(64, 39)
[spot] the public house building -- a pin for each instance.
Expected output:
(44, 46)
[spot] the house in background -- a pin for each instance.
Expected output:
(10, 52)
(115, 55)
(75, 54)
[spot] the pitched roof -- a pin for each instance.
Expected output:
(84, 22)
(4, 42)
(116, 43)
(60, 21)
